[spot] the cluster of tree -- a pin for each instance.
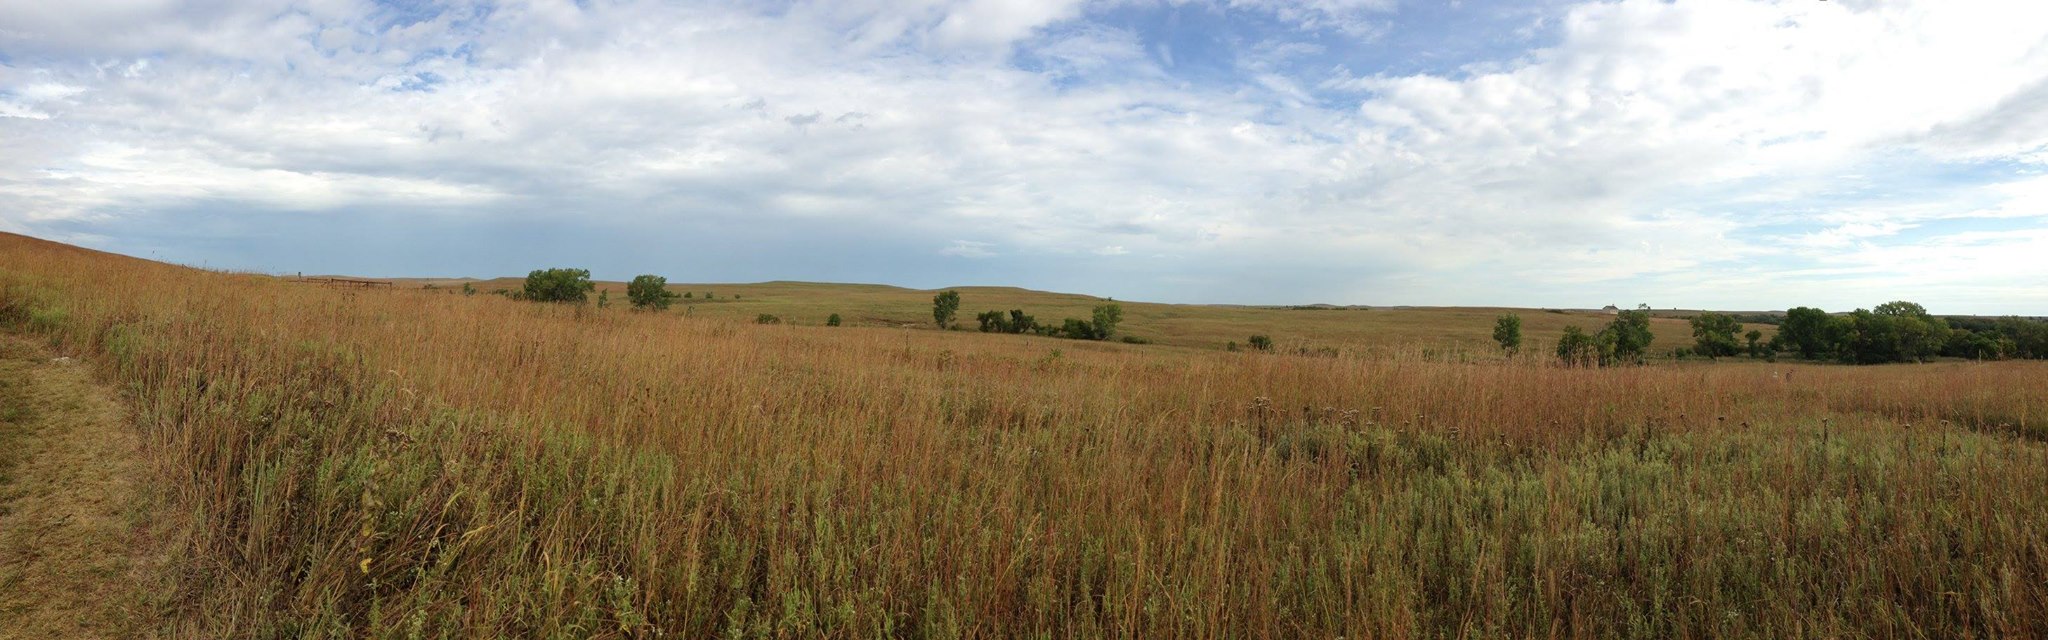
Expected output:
(1898, 331)
(1014, 322)
(573, 286)
(1625, 339)
(558, 285)
(1101, 324)
(1904, 332)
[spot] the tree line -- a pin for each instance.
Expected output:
(1100, 325)
(1897, 331)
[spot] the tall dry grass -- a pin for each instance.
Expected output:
(408, 463)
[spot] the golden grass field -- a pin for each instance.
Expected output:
(1467, 330)
(410, 463)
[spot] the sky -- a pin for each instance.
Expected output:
(1729, 154)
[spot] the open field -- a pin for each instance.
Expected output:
(1464, 329)
(407, 463)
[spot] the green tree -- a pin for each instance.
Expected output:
(650, 292)
(468, 289)
(1507, 330)
(1920, 335)
(1020, 323)
(1628, 337)
(832, 320)
(558, 285)
(604, 298)
(993, 322)
(1579, 349)
(1105, 319)
(1756, 347)
(1713, 335)
(1807, 331)
(944, 306)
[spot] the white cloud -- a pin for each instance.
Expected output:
(1652, 143)
(968, 249)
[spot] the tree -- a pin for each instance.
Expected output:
(993, 322)
(832, 320)
(1920, 335)
(604, 298)
(1261, 342)
(1628, 336)
(1578, 349)
(558, 285)
(1755, 338)
(1020, 323)
(650, 292)
(944, 306)
(1106, 317)
(1507, 330)
(1713, 334)
(1806, 330)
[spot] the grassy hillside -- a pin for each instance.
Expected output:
(403, 463)
(1198, 326)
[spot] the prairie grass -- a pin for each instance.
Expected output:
(413, 464)
(1464, 331)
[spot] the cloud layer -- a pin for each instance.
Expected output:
(1732, 154)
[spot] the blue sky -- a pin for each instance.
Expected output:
(1735, 154)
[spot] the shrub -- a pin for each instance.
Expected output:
(558, 285)
(832, 321)
(1261, 342)
(767, 318)
(1136, 340)
(650, 291)
(1578, 349)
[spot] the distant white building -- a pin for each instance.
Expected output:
(1611, 310)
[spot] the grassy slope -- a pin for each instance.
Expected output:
(384, 462)
(1201, 326)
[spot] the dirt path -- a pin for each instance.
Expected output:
(72, 506)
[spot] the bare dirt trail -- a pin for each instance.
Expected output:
(74, 512)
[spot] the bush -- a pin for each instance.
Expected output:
(558, 285)
(1578, 349)
(767, 318)
(832, 321)
(1261, 342)
(1714, 335)
(1507, 330)
(1136, 340)
(650, 292)
(1628, 337)
(944, 306)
